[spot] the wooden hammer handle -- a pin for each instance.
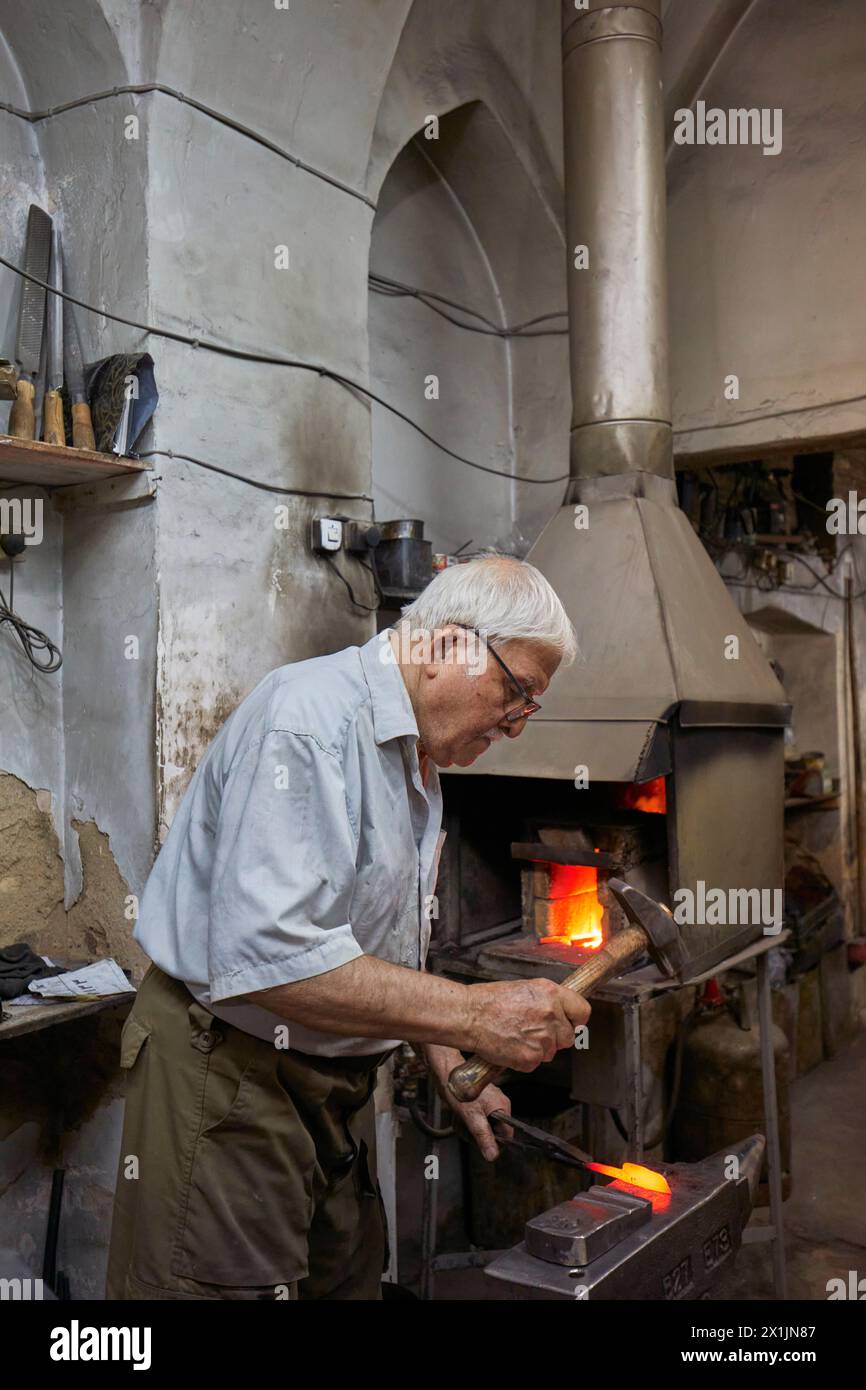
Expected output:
(468, 1079)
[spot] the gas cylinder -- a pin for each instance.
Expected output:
(721, 1097)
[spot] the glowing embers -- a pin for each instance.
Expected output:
(572, 911)
(645, 796)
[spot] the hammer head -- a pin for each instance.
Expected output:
(664, 942)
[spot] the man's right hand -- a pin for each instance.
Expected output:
(522, 1024)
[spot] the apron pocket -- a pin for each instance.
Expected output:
(132, 1038)
(247, 1199)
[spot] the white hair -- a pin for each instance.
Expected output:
(505, 598)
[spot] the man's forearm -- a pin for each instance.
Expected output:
(371, 998)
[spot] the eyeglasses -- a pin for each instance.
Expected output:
(529, 705)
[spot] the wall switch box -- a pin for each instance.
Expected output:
(327, 533)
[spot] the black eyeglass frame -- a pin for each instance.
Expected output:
(529, 706)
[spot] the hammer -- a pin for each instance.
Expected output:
(652, 929)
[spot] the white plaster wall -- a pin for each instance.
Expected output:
(237, 596)
(22, 181)
(82, 170)
(460, 217)
(765, 252)
(31, 704)
(425, 238)
(476, 216)
(85, 734)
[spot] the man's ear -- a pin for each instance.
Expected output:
(446, 644)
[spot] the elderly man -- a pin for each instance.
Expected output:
(287, 917)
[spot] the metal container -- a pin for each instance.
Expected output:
(403, 559)
(721, 1099)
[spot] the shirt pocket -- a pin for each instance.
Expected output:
(384, 908)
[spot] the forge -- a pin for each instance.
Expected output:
(659, 754)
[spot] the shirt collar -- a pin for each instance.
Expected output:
(393, 715)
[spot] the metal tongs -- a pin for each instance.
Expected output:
(539, 1141)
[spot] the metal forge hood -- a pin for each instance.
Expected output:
(659, 636)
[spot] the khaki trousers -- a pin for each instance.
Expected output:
(244, 1171)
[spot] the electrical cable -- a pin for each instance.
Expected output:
(620, 1127)
(770, 415)
(746, 549)
(819, 579)
(424, 1125)
(254, 482)
(144, 88)
(684, 1028)
(141, 89)
(381, 283)
(787, 588)
(380, 594)
(31, 638)
(808, 502)
(343, 580)
(244, 355)
(395, 289)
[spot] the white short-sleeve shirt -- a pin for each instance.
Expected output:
(306, 838)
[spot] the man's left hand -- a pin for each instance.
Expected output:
(472, 1114)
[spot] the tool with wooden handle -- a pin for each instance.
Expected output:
(82, 424)
(31, 320)
(651, 929)
(53, 428)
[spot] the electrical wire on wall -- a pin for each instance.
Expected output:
(255, 482)
(39, 649)
(395, 289)
(272, 360)
(379, 284)
(303, 365)
(368, 608)
(757, 559)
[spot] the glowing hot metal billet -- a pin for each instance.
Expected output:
(635, 1175)
(624, 1242)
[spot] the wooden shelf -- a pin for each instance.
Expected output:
(810, 803)
(30, 1018)
(53, 465)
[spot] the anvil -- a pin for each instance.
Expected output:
(620, 1242)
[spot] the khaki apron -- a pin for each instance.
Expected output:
(244, 1171)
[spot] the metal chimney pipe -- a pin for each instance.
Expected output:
(615, 208)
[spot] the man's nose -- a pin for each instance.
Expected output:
(511, 730)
